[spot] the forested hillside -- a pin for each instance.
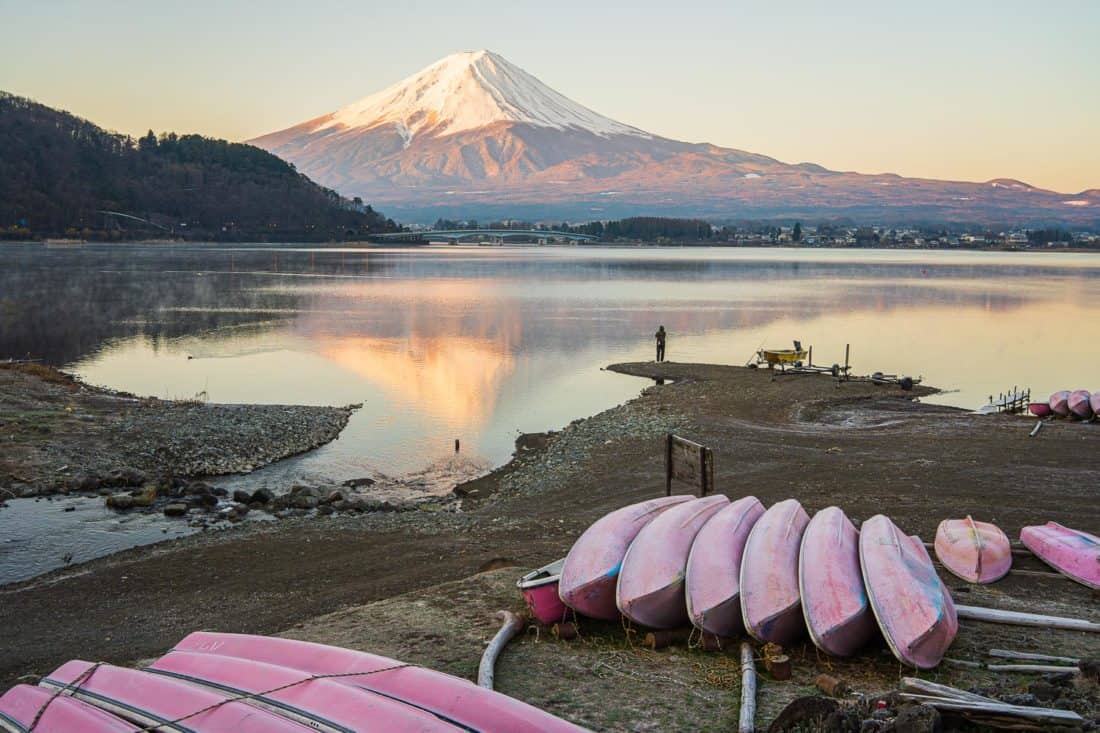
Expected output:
(61, 175)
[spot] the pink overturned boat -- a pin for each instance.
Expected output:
(320, 704)
(591, 569)
(147, 699)
(712, 582)
(1040, 409)
(20, 705)
(1059, 403)
(913, 608)
(540, 589)
(1094, 403)
(834, 602)
(771, 607)
(1071, 552)
(977, 552)
(1078, 404)
(451, 699)
(650, 591)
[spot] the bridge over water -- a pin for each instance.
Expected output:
(496, 236)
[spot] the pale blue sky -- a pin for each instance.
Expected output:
(963, 89)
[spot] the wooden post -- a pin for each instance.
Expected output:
(456, 445)
(668, 465)
(847, 350)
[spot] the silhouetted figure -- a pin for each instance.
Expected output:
(660, 336)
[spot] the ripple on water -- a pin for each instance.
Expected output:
(39, 535)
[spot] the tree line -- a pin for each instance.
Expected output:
(59, 174)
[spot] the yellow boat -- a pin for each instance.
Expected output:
(781, 356)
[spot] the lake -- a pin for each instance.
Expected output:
(482, 343)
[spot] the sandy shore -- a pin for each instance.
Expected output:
(866, 448)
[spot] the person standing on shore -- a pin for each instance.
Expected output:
(660, 336)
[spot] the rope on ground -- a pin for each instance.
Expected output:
(80, 679)
(238, 698)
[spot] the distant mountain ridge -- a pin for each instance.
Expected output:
(59, 173)
(474, 134)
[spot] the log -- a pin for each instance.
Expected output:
(935, 689)
(512, 625)
(746, 722)
(1006, 654)
(969, 708)
(666, 638)
(1035, 430)
(1036, 668)
(1018, 618)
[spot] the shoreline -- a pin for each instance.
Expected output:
(866, 448)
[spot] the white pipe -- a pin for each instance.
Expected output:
(746, 722)
(513, 624)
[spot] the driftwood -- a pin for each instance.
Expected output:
(1035, 430)
(513, 624)
(1017, 618)
(1036, 668)
(746, 722)
(985, 709)
(1006, 654)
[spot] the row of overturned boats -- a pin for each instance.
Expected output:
(730, 567)
(239, 683)
(1077, 403)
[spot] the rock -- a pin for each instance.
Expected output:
(304, 501)
(916, 719)
(175, 510)
(199, 488)
(242, 497)
(804, 713)
(146, 496)
(219, 491)
(120, 501)
(1025, 699)
(206, 501)
(263, 496)
(325, 509)
(1061, 679)
(842, 721)
(126, 477)
(871, 726)
(357, 483)
(1044, 691)
(333, 496)
(84, 482)
(241, 509)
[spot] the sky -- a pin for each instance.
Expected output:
(966, 90)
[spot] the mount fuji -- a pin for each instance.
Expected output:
(475, 135)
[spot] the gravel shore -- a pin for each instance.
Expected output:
(60, 435)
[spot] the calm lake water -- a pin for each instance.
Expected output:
(480, 344)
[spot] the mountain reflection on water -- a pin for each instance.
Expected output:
(480, 343)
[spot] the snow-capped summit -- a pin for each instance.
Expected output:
(475, 135)
(465, 91)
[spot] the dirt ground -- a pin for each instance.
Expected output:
(865, 448)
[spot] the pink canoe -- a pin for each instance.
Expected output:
(977, 552)
(452, 699)
(322, 704)
(1071, 552)
(712, 583)
(1059, 403)
(1078, 404)
(21, 704)
(771, 606)
(651, 585)
(591, 569)
(147, 700)
(913, 608)
(1094, 403)
(834, 603)
(1040, 409)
